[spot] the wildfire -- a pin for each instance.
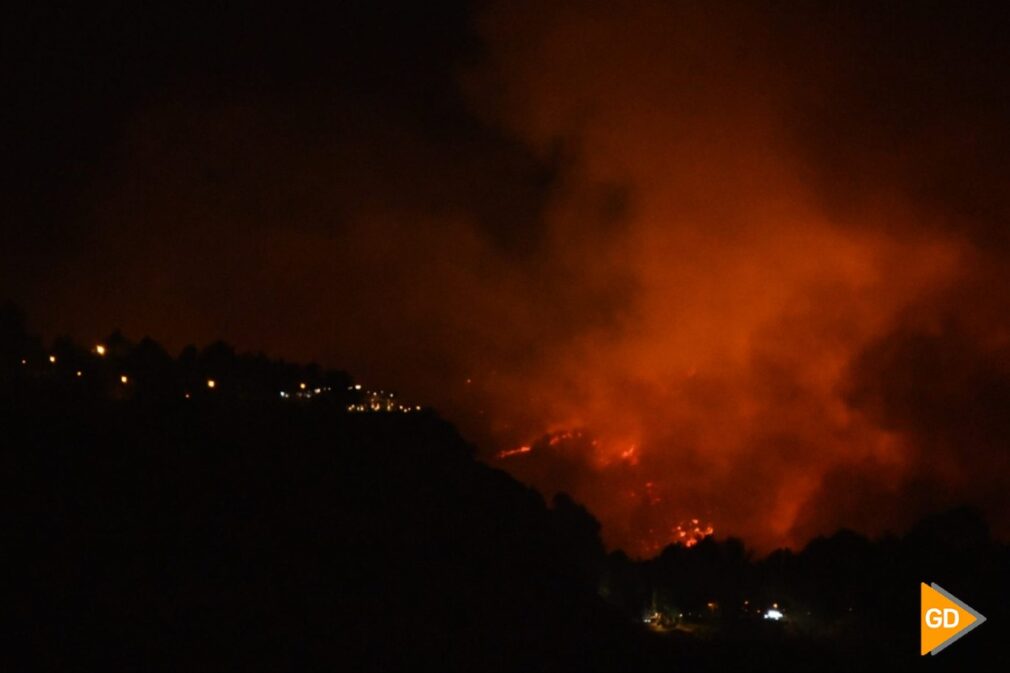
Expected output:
(647, 499)
(552, 440)
(691, 532)
(563, 436)
(630, 454)
(508, 453)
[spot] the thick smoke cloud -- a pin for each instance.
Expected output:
(765, 266)
(735, 264)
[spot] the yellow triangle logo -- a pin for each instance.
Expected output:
(943, 618)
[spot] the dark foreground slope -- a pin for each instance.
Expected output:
(220, 533)
(262, 535)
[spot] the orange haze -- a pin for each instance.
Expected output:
(750, 294)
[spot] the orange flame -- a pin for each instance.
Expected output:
(508, 453)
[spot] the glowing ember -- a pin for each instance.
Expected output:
(630, 454)
(691, 533)
(563, 436)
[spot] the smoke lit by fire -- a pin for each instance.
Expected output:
(701, 267)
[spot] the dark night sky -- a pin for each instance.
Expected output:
(757, 254)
